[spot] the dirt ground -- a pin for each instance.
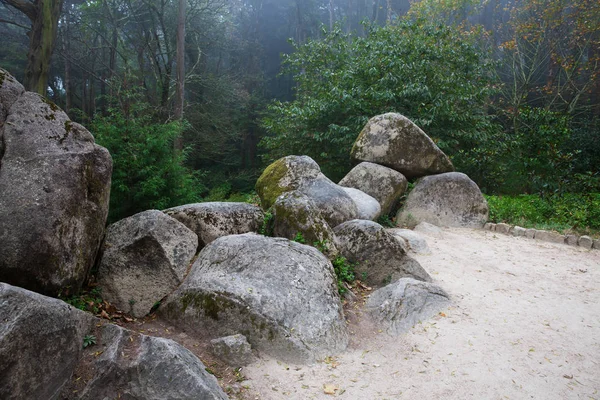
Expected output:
(524, 324)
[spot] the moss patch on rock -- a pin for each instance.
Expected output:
(268, 185)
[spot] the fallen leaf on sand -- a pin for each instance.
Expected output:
(330, 389)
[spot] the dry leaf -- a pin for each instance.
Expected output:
(330, 389)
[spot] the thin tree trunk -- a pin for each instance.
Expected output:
(330, 15)
(388, 19)
(180, 85)
(66, 52)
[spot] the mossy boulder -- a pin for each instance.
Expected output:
(396, 142)
(380, 259)
(295, 213)
(284, 175)
(302, 173)
(450, 199)
(280, 294)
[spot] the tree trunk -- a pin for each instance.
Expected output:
(180, 85)
(66, 55)
(330, 15)
(42, 38)
(388, 19)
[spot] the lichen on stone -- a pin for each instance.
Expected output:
(268, 185)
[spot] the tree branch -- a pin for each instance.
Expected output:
(5, 21)
(25, 7)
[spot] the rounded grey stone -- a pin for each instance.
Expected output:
(401, 305)
(379, 257)
(396, 142)
(382, 183)
(450, 199)
(280, 294)
(211, 220)
(145, 257)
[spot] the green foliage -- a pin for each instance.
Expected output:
(579, 212)
(299, 238)
(385, 221)
(266, 227)
(147, 172)
(538, 153)
(344, 270)
(89, 340)
(437, 76)
(87, 301)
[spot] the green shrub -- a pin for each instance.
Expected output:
(344, 271)
(569, 211)
(438, 76)
(147, 173)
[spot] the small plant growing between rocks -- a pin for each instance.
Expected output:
(87, 301)
(266, 227)
(89, 340)
(344, 270)
(299, 238)
(386, 221)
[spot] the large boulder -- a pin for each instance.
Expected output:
(401, 305)
(295, 213)
(40, 343)
(380, 259)
(42, 356)
(368, 207)
(280, 294)
(395, 141)
(450, 199)
(302, 173)
(144, 258)
(141, 368)
(215, 219)
(54, 191)
(384, 184)
(10, 91)
(284, 175)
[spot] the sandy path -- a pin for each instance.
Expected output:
(525, 323)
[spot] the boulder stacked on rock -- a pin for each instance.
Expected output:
(296, 214)
(54, 190)
(380, 259)
(384, 184)
(145, 257)
(395, 141)
(441, 197)
(303, 174)
(215, 219)
(280, 294)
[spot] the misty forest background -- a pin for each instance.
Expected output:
(509, 89)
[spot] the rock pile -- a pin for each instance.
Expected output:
(211, 267)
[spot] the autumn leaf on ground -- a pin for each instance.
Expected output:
(330, 389)
(331, 361)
